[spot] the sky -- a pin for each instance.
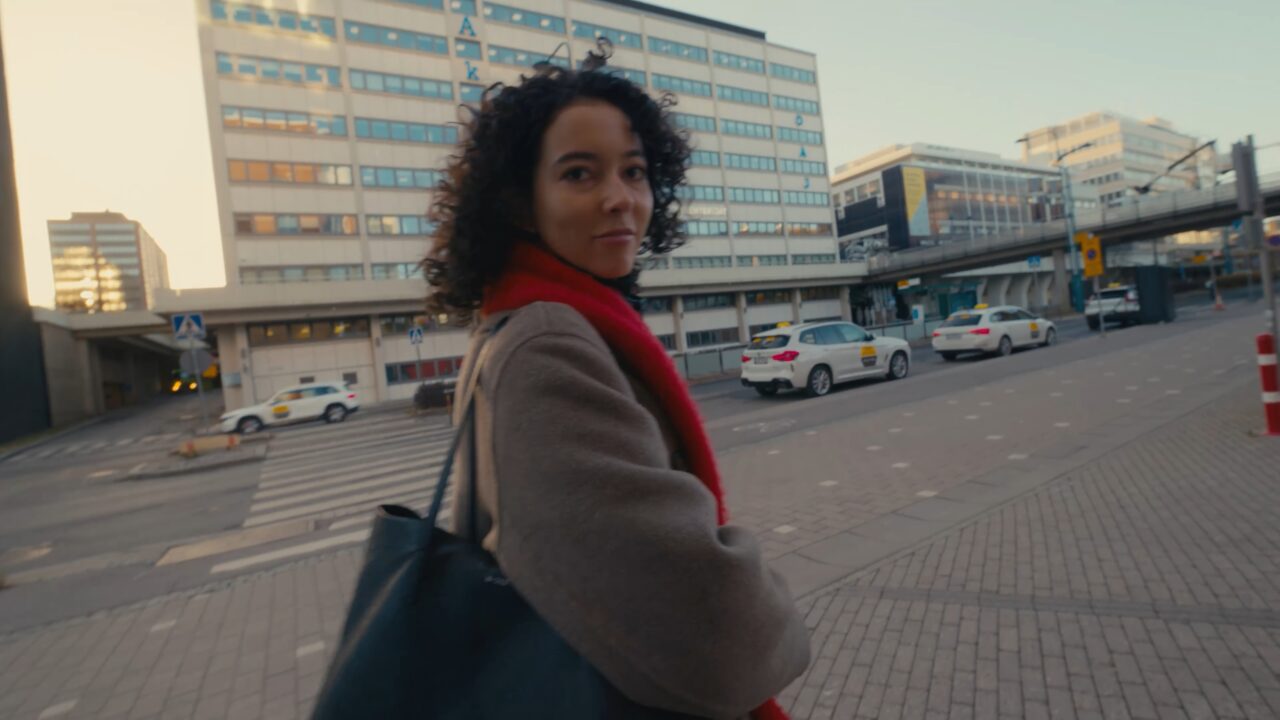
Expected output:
(107, 105)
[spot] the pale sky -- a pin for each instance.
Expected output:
(107, 104)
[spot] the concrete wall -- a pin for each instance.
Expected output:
(70, 367)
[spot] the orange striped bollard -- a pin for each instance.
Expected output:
(1270, 383)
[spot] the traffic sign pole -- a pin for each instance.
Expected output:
(204, 415)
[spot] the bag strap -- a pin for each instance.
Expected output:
(473, 380)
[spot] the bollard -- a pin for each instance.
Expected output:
(1270, 383)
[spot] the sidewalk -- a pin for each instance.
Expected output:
(1124, 566)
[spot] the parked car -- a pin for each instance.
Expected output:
(330, 402)
(815, 356)
(991, 331)
(1117, 304)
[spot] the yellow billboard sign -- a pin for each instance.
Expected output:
(1090, 253)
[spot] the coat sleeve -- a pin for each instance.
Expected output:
(620, 553)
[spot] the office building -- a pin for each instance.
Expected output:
(920, 195)
(332, 119)
(105, 262)
(1125, 153)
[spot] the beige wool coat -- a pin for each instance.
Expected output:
(582, 499)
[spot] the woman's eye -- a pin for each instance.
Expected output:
(575, 174)
(637, 173)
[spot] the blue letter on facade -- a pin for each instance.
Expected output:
(473, 73)
(466, 28)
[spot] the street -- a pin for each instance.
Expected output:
(1085, 530)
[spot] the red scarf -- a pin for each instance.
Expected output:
(535, 275)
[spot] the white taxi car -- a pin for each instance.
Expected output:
(992, 331)
(817, 355)
(311, 401)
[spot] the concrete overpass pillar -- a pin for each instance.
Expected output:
(677, 317)
(795, 305)
(740, 303)
(1018, 290)
(1061, 291)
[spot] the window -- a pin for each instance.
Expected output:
(396, 38)
(813, 259)
(798, 105)
(303, 123)
(809, 229)
(348, 379)
(291, 224)
(406, 131)
(397, 271)
(668, 341)
(767, 342)
(795, 74)
(244, 14)
(820, 293)
(739, 62)
(804, 197)
(699, 123)
(750, 162)
(742, 95)
(962, 320)
(464, 7)
(804, 167)
(404, 178)
(677, 49)
(655, 263)
(707, 302)
(710, 261)
(655, 305)
(828, 335)
(398, 225)
(296, 273)
(371, 81)
(757, 227)
(245, 66)
(709, 193)
(470, 93)
(804, 137)
(527, 18)
(294, 173)
(746, 129)
(704, 158)
(681, 85)
(620, 38)
(769, 297)
(705, 338)
(522, 58)
(756, 196)
(636, 76)
(434, 369)
(706, 227)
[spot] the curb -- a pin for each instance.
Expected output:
(172, 468)
(53, 434)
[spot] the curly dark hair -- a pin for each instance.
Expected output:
(488, 184)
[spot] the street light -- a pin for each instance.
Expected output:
(1069, 214)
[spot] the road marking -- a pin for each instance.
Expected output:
(1055, 394)
(1108, 374)
(1123, 401)
(237, 540)
(926, 493)
(908, 414)
(970, 417)
(901, 465)
(873, 448)
(1017, 456)
(985, 403)
(1172, 392)
(1188, 370)
(953, 402)
(1010, 391)
(101, 473)
(895, 430)
(1130, 388)
(61, 708)
(828, 483)
(331, 491)
(1067, 381)
(310, 649)
(784, 529)
(995, 437)
(774, 452)
(296, 550)
(1062, 424)
(1153, 379)
(125, 441)
(365, 517)
(164, 625)
(370, 498)
(810, 432)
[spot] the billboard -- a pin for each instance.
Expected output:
(916, 194)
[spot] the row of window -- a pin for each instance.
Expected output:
(287, 172)
(309, 331)
(705, 193)
(706, 158)
(245, 14)
(804, 197)
(739, 62)
(706, 227)
(285, 71)
(400, 84)
(677, 49)
(698, 262)
(522, 58)
(397, 271)
(527, 18)
(742, 95)
(704, 338)
(425, 371)
(684, 86)
(301, 273)
(746, 129)
(396, 38)
(396, 131)
(796, 135)
(315, 224)
(791, 104)
(750, 162)
(282, 121)
(769, 297)
(697, 123)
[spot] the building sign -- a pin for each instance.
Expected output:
(917, 198)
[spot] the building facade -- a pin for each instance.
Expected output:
(921, 195)
(105, 262)
(332, 119)
(1125, 152)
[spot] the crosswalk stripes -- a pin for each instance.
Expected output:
(83, 449)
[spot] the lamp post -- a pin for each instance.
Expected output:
(1069, 215)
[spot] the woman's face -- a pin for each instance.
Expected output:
(591, 196)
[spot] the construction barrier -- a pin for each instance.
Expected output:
(1270, 384)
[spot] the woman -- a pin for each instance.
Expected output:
(596, 488)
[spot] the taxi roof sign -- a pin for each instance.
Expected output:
(981, 306)
(783, 324)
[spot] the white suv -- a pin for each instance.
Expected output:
(815, 356)
(1117, 304)
(311, 401)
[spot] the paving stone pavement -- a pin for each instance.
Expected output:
(1140, 582)
(1142, 585)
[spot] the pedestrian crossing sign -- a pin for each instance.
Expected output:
(188, 326)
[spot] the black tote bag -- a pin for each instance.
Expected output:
(435, 630)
